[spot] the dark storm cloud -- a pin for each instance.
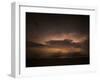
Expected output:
(62, 43)
(59, 43)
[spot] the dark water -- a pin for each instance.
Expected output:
(57, 61)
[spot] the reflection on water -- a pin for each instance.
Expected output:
(52, 51)
(55, 50)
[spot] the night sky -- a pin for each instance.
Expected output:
(45, 27)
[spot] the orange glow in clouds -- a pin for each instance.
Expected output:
(76, 38)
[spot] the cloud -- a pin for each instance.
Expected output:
(34, 44)
(62, 43)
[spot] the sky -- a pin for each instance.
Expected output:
(42, 27)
